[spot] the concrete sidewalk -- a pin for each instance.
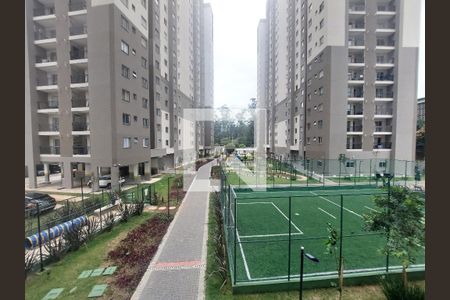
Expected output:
(177, 270)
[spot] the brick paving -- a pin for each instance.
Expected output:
(177, 271)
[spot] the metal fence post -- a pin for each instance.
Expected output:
(289, 243)
(340, 166)
(341, 237)
(406, 170)
(235, 237)
(355, 175)
(323, 173)
(39, 236)
(101, 221)
(370, 172)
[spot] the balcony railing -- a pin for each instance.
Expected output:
(82, 78)
(44, 34)
(356, 94)
(386, 8)
(45, 59)
(386, 128)
(385, 26)
(385, 95)
(77, 30)
(48, 105)
(43, 11)
(77, 5)
(355, 76)
(81, 150)
(355, 42)
(385, 145)
(80, 102)
(383, 111)
(384, 43)
(46, 81)
(48, 127)
(80, 126)
(356, 60)
(353, 112)
(355, 128)
(354, 145)
(54, 150)
(78, 55)
(356, 25)
(384, 77)
(357, 8)
(383, 60)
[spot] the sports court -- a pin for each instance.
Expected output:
(266, 229)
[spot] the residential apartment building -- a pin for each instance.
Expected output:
(106, 84)
(341, 77)
(421, 109)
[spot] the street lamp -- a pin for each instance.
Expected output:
(302, 258)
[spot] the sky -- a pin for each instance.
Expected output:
(235, 49)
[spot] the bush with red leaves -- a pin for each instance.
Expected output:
(135, 251)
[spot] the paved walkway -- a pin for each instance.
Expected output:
(177, 271)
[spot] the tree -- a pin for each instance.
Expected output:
(332, 249)
(400, 217)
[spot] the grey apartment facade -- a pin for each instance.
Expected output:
(103, 92)
(341, 78)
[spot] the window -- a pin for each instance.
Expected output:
(166, 103)
(382, 164)
(125, 95)
(145, 122)
(144, 83)
(321, 40)
(135, 118)
(321, 90)
(166, 89)
(125, 23)
(133, 29)
(322, 6)
(320, 140)
(145, 142)
(144, 103)
(319, 162)
(124, 47)
(167, 129)
(321, 73)
(133, 51)
(134, 75)
(320, 124)
(167, 142)
(157, 96)
(133, 7)
(136, 140)
(144, 62)
(157, 80)
(350, 164)
(126, 119)
(322, 22)
(134, 96)
(320, 107)
(143, 42)
(166, 116)
(126, 143)
(125, 71)
(158, 112)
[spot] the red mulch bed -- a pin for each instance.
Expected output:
(136, 250)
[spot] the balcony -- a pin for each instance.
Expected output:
(43, 11)
(50, 106)
(382, 146)
(356, 26)
(81, 150)
(354, 128)
(356, 61)
(386, 129)
(355, 113)
(355, 78)
(385, 10)
(383, 110)
(80, 104)
(49, 150)
(355, 95)
(384, 79)
(78, 30)
(77, 5)
(45, 38)
(47, 84)
(79, 81)
(357, 9)
(356, 43)
(80, 126)
(354, 146)
(48, 129)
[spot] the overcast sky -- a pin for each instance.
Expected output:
(235, 25)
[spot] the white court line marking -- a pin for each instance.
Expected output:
(246, 203)
(242, 251)
(298, 229)
(371, 209)
(327, 213)
(269, 235)
(350, 211)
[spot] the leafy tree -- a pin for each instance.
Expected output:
(332, 249)
(400, 216)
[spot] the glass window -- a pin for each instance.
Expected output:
(124, 47)
(125, 71)
(125, 23)
(125, 95)
(126, 143)
(126, 119)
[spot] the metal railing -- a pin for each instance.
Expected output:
(81, 150)
(48, 127)
(386, 8)
(385, 95)
(356, 60)
(43, 11)
(356, 76)
(79, 78)
(77, 5)
(354, 145)
(80, 126)
(77, 30)
(356, 94)
(355, 112)
(78, 56)
(385, 128)
(44, 34)
(48, 104)
(383, 111)
(54, 150)
(386, 61)
(383, 77)
(354, 42)
(385, 26)
(385, 43)
(384, 145)
(46, 81)
(80, 102)
(355, 128)
(45, 59)
(356, 25)
(357, 8)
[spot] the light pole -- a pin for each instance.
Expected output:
(302, 260)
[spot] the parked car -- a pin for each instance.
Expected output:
(45, 201)
(105, 182)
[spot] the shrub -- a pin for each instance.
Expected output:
(394, 289)
(55, 249)
(30, 260)
(109, 221)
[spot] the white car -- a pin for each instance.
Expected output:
(105, 182)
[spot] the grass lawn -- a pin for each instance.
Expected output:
(214, 282)
(64, 274)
